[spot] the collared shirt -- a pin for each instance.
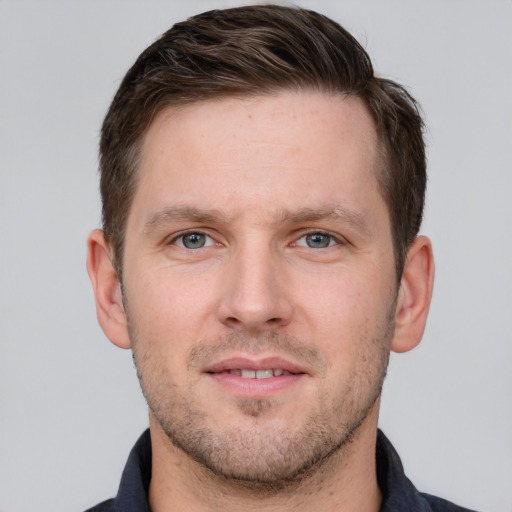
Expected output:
(398, 493)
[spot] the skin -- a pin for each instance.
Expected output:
(293, 267)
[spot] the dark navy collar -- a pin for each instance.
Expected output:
(398, 493)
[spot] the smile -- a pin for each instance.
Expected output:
(258, 374)
(249, 378)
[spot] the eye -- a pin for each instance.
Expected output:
(318, 240)
(193, 240)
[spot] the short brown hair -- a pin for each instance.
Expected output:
(255, 50)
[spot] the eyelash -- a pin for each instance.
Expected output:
(182, 235)
(211, 241)
(333, 238)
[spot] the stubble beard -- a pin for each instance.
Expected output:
(264, 460)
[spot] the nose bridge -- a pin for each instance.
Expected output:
(255, 298)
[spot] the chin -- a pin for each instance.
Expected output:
(262, 453)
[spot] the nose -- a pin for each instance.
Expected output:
(254, 297)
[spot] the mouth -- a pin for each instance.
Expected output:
(249, 368)
(256, 374)
(255, 378)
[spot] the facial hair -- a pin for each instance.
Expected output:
(264, 458)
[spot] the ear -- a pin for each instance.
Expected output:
(107, 290)
(414, 296)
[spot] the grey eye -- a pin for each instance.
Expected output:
(318, 240)
(192, 240)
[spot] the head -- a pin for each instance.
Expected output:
(250, 51)
(262, 193)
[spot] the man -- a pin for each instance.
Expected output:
(262, 195)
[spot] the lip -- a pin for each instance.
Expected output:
(255, 388)
(235, 363)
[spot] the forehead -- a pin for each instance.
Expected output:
(295, 111)
(272, 151)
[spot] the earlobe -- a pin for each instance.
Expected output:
(107, 290)
(414, 296)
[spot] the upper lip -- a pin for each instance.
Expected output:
(238, 363)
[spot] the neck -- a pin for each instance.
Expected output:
(346, 481)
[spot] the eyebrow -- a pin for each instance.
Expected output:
(185, 213)
(336, 213)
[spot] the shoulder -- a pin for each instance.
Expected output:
(105, 506)
(398, 492)
(440, 505)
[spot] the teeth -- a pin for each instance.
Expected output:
(264, 374)
(258, 374)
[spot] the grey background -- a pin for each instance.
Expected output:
(70, 405)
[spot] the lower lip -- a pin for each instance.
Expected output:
(256, 388)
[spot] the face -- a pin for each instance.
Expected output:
(259, 280)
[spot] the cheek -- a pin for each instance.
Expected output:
(344, 311)
(331, 297)
(167, 316)
(165, 297)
